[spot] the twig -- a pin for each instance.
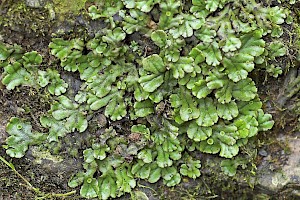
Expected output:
(36, 190)
(10, 165)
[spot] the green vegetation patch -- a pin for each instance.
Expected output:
(184, 84)
(65, 6)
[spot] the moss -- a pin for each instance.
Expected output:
(41, 155)
(66, 6)
(19, 22)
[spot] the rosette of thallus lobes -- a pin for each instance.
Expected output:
(190, 92)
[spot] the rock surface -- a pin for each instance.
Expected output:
(287, 175)
(35, 3)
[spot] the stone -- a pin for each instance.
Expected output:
(275, 180)
(35, 3)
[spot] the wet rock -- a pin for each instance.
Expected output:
(3, 134)
(74, 83)
(62, 28)
(3, 121)
(277, 180)
(35, 3)
(58, 169)
(292, 168)
(263, 153)
(102, 121)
